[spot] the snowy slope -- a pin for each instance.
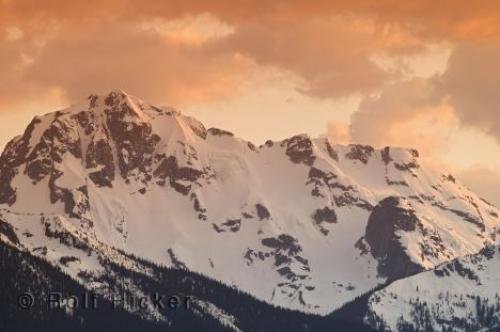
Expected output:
(301, 223)
(463, 295)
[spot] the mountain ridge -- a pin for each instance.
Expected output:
(301, 223)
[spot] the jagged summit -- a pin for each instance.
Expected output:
(300, 223)
(119, 106)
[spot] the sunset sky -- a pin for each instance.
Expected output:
(423, 74)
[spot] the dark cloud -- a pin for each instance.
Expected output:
(472, 82)
(78, 47)
(98, 58)
(469, 86)
(377, 118)
(331, 55)
(328, 44)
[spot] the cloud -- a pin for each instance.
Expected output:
(471, 83)
(329, 46)
(465, 93)
(484, 180)
(190, 51)
(80, 60)
(405, 114)
(330, 54)
(338, 132)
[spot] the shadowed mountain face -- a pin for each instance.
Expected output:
(104, 187)
(388, 218)
(211, 306)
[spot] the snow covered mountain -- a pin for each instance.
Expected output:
(462, 295)
(302, 223)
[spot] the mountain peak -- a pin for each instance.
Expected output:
(112, 94)
(157, 184)
(112, 101)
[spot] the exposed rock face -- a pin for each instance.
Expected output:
(457, 267)
(284, 249)
(8, 231)
(464, 215)
(326, 184)
(232, 225)
(360, 152)
(320, 179)
(110, 137)
(324, 215)
(299, 149)
(168, 168)
(7, 193)
(331, 152)
(100, 156)
(291, 266)
(410, 164)
(390, 217)
(220, 132)
(406, 162)
(386, 155)
(36, 162)
(283, 242)
(134, 141)
(475, 219)
(262, 212)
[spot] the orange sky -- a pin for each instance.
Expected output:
(411, 73)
